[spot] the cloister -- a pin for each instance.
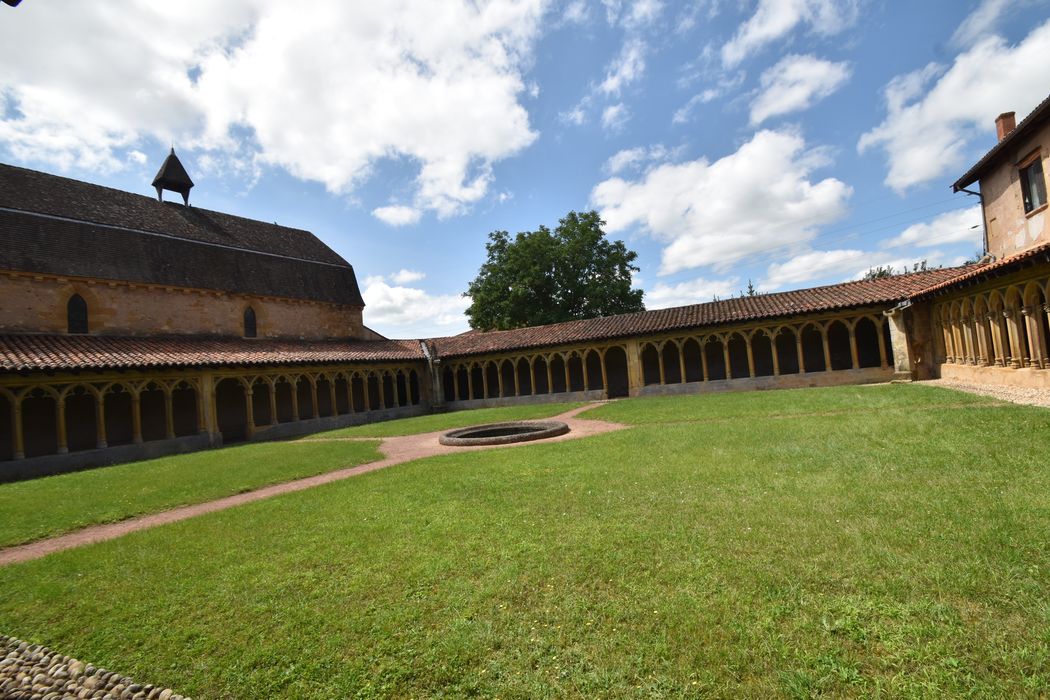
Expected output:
(630, 366)
(1004, 326)
(62, 414)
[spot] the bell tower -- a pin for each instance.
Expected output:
(173, 176)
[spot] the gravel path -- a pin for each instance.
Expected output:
(32, 672)
(1014, 394)
(395, 450)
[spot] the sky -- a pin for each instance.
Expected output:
(785, 143)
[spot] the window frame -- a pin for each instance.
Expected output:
(78, 319)
(249, 314)
(1025, 179)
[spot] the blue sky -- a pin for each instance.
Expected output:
(787, 142)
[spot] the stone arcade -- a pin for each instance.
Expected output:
(132, 327)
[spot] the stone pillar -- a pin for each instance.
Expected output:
(801, 354)
(750, 355)
(136, 418)
(100, 421)
(565, 366)
(169, 415)
(550, 376)
(883, 361)
(16, 429)
(583, 367)
(484, 381)
(660, 364)
(455, 384)
(997, 339)
(827, 350)
(902, 365)
(1011, 329)
(499, 380)
(703, 361)
(635, 379)
(273, 400)
(313, 398)
(725, 358)
(517, 380)
(331, 396)
(393, 390)
(853, 355)
(470, 381)
(605, 373)
(532, 377)
(249, 412)
(60, 425)
(681, 363)
(1036, 344)
(775, 354)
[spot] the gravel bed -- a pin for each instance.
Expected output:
(33, 672)
(1015, 394)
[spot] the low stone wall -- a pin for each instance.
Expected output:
(317, 425)
(593, 395)
(30, 671)
(48, 465)
(1000, 376)
(868, 375)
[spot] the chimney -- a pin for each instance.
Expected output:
(1004, 124)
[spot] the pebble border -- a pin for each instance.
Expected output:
(34, 672)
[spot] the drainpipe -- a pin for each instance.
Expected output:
(984, 219)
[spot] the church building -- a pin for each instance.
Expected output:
(132, 327)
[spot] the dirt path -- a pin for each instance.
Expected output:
(395, 450)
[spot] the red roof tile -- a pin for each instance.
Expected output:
(887, 290)
(23, 353)
(979, 273)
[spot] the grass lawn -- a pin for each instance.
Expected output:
(31, 510)
(451, 420)
(881, 541)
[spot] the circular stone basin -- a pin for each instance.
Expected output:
(504, 433)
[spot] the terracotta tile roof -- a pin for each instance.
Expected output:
(25, 353)
(979, 273)
(889, 290)
(51, 224)
(973, 174)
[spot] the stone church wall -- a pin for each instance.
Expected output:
(37, 304)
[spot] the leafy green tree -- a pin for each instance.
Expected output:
(546, 276)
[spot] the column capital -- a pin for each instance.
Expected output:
(1028, 310)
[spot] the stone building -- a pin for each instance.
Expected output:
(132, 327)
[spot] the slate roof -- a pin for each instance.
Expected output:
(976, 274)
(889, 290)
(974, 174)
(26, 353)
(56, 225)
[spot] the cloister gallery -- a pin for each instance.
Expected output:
(131, 327)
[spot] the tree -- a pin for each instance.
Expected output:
(877, 273)
(546, 276)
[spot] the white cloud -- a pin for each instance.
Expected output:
(695, 291)
(958, 226)
(576, 116)
(410, 312)
(684, 113)
(981, 22)
(627, 68)
(404, 276)
(615, 116)
(575, 12)
(636, 14)
(760, 198)
(928, 128)
(397, 215)
(631, 158)
(809, 266)
(774, 19)
(794, 84)
(380, 80)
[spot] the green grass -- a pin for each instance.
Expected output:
(882, 542)
(31, 510)
(454, 419)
